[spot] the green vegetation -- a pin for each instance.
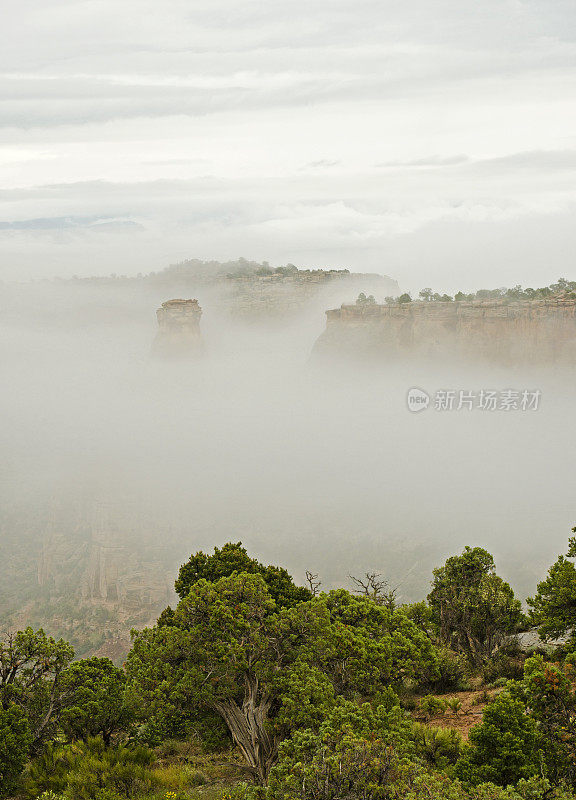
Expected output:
(234, 558)
(554, 605)
(474, 610)
(563, 289)
(253, 688)
(362, 300)
(96, 702)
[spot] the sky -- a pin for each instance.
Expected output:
(433, 142)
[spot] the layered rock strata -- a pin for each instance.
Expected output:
(505, 332)
(178, 329)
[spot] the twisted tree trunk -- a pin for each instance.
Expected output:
(248, 726)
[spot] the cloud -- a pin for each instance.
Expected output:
(540, 160)
(68, 223)
(427, 161)
(325, 131)
(322, 163)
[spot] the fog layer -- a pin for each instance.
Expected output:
(312, 467)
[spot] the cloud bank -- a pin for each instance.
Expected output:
(402, 137)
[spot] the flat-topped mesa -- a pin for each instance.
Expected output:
(179, 329)
(499, 331)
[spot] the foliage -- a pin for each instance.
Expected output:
(422, 785)
(31, 669)
(475, 609)
(305, 687)
(15, 742)
(48, 771)
(431, 706)
(423, 616)
(440, 747)
(450, 671)
(549, 695)
(504, 666)
(176, 776)
(358, 752)
(267, 671)
(95, 700)
(561, 287)
(428, 295)
(83, 769)
(233, 558)
(362, 300)
(504, 747)
(454, 704)
(554, 604)
(391, 646)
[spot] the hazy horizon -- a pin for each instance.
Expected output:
(433, 143)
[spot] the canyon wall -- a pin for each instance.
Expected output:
(99, 573)
(503, 332)
(279, 296)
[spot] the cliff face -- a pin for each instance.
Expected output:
(179, 329)
(282, 295)
(98, 576)
(506, 333)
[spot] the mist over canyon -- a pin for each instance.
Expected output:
(118, 464)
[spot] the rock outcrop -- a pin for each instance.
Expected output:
(252, 291)
(498, 331)
(99, 574)
(179, 329)
(282, 295)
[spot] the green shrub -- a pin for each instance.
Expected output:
(451, 671)
(499, 683)
(359, 749)
(431, 706)
(83, 769)
(47, 773)
(178, 777)
(242, 791)
(504, 747)
(168, 748)
(15, 742)
(503, 666)
(439, 747)
(454, 704)
(408, 702)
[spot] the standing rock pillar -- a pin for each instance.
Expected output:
(179, 329)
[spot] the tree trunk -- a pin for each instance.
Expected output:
(247, 724)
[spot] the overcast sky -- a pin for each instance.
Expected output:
(434, 141)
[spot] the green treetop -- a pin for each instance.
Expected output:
(268, 670)
(554, 604)
(475, 609)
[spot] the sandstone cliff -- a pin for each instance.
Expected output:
(178, 329)
(281, 295)
(99, 574)
(503, 332)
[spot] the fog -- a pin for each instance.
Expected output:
(312, 466)
(432, 142)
